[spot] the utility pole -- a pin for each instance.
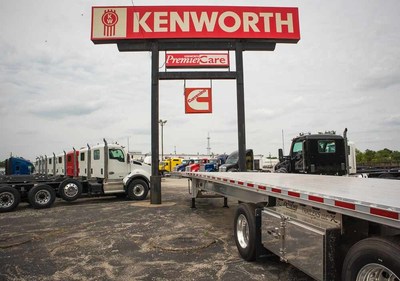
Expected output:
(162, 123)
(208, 145)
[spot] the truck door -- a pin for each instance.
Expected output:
(118, 167)
(97, 169)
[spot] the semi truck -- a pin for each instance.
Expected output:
(327, 154)
(232, 162)
(195, 166)
(18, 166)
(213, 163)
(181, 167)
(330, 227)
(104, 169)
(168, 165)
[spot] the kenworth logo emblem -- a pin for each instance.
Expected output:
(109, 20)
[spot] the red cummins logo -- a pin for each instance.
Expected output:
(198, 100)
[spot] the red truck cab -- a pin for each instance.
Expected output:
(195, 167)
(72, 168)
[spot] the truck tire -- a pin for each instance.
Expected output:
(41, 196)
(9, 198)
(373, 259)
(70, 189)
(245, 231)
(137, 189)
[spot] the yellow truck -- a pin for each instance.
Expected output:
(167, 165)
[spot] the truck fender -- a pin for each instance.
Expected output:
(137, 176)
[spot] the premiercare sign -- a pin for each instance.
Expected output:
(199, 60)
(110, 24)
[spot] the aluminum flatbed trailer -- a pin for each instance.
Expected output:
(331, 227)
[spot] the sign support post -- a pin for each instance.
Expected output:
(240, 107)
(155, 179)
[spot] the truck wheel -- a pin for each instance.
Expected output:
(70, 189)
(41, 196)
(9, 198)
(137, 189)
(245, 231)
(373, 259)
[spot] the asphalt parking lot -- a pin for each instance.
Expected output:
(108, 238)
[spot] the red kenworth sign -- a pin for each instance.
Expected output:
(198, 100)
(110, 24)
(202, 60)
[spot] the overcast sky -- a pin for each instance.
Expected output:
(59, 90)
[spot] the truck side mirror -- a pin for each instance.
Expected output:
(280, 153)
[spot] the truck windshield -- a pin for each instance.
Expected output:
(233, 158)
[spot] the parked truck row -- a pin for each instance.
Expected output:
(104, 169)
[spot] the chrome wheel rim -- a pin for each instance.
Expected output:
(71, 190)
(42, 197)
(138, 190)
(6, 199)
(242, 231)
(376, 272)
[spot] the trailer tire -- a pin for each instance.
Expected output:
(9, 198)
(376, 258)
(41, 196)
(70, 189)
(245, 231)
(137, 189)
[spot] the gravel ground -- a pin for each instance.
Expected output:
(107, 238)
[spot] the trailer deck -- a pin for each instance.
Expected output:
(376, 200)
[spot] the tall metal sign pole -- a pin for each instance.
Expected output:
(194, 28)
(155, 180)
(241, 119)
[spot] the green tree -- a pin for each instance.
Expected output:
(369, 156)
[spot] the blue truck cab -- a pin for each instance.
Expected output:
(18, 166)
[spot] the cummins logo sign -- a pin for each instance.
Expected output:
(157, 22)
(198, 100)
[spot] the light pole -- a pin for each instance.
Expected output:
(162, 123)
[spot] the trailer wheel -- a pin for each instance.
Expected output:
(245, 231)
(41, 196)
(70, 189)
(137, 189)
(373, 259)
(9, 198)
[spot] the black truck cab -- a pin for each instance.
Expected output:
(323, 154)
